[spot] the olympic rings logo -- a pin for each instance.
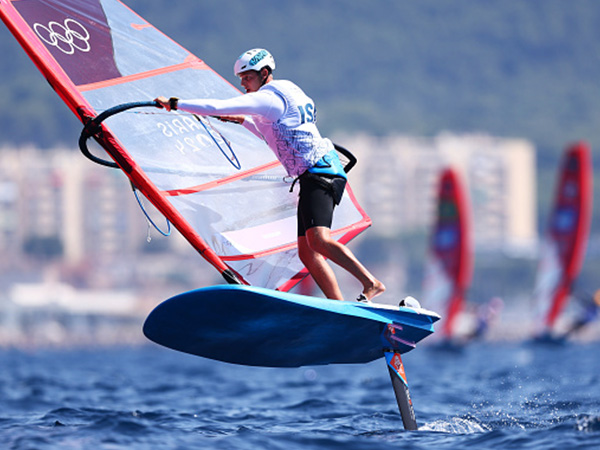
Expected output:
(68, 37)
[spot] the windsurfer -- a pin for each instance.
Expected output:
(279, 112)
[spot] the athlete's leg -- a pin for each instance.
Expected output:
(315, 215)
(309, 213)
(319, 269)
(319, 240)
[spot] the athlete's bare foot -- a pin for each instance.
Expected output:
(375, 289)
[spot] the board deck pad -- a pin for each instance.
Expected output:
(261, 327)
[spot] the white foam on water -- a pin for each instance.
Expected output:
(455, 425)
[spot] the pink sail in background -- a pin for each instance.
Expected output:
(449, 266)
(566, 236)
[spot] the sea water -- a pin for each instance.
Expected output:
(485, 395)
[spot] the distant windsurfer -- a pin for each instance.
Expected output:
(589, 311)
(279, 112)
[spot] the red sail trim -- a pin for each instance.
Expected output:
(188, 64)
(229, 179)
(353, 231)
(366, 220)
(293, 281)
(140, 26)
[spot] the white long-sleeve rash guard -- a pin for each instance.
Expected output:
(266, 104)
(281, 114)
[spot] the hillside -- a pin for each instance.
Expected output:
(527, 69)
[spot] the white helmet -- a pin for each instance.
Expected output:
(254, 59)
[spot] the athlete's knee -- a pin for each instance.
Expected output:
(305, 251)
(320, 243)
(305, 254)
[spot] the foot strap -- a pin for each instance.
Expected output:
(362, 298)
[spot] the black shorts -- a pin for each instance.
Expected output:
(315, 205)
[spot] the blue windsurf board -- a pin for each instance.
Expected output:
(260, 327)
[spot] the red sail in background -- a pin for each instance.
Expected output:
(563, 247)
(449, 266)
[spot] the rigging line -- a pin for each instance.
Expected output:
(219, 174)
(233, 160)
(223, 176)
(149, 220)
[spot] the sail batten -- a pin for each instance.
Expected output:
(196, 64)
(225, 180)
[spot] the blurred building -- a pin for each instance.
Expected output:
(57, 203)
(60, 202)
(396, 178)
(58, 206)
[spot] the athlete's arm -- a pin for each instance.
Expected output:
(266, 104)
